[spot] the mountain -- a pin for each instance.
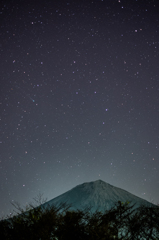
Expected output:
(98, 195)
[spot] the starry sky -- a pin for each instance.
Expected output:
(79, 97)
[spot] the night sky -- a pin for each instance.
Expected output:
(79, 97)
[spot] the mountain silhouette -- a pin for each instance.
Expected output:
(97, 195)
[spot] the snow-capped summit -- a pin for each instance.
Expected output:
(98, 195)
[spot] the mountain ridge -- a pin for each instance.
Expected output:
(97, 195)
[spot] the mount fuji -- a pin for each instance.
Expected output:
(97, 195)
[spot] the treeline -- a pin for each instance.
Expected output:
(121, 222)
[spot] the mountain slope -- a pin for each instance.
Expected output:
(98, 195)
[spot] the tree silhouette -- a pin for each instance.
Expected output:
(122, 222)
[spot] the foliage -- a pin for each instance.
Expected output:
(121, 222)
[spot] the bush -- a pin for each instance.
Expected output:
(52, 223)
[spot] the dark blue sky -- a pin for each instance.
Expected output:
(79, 97)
